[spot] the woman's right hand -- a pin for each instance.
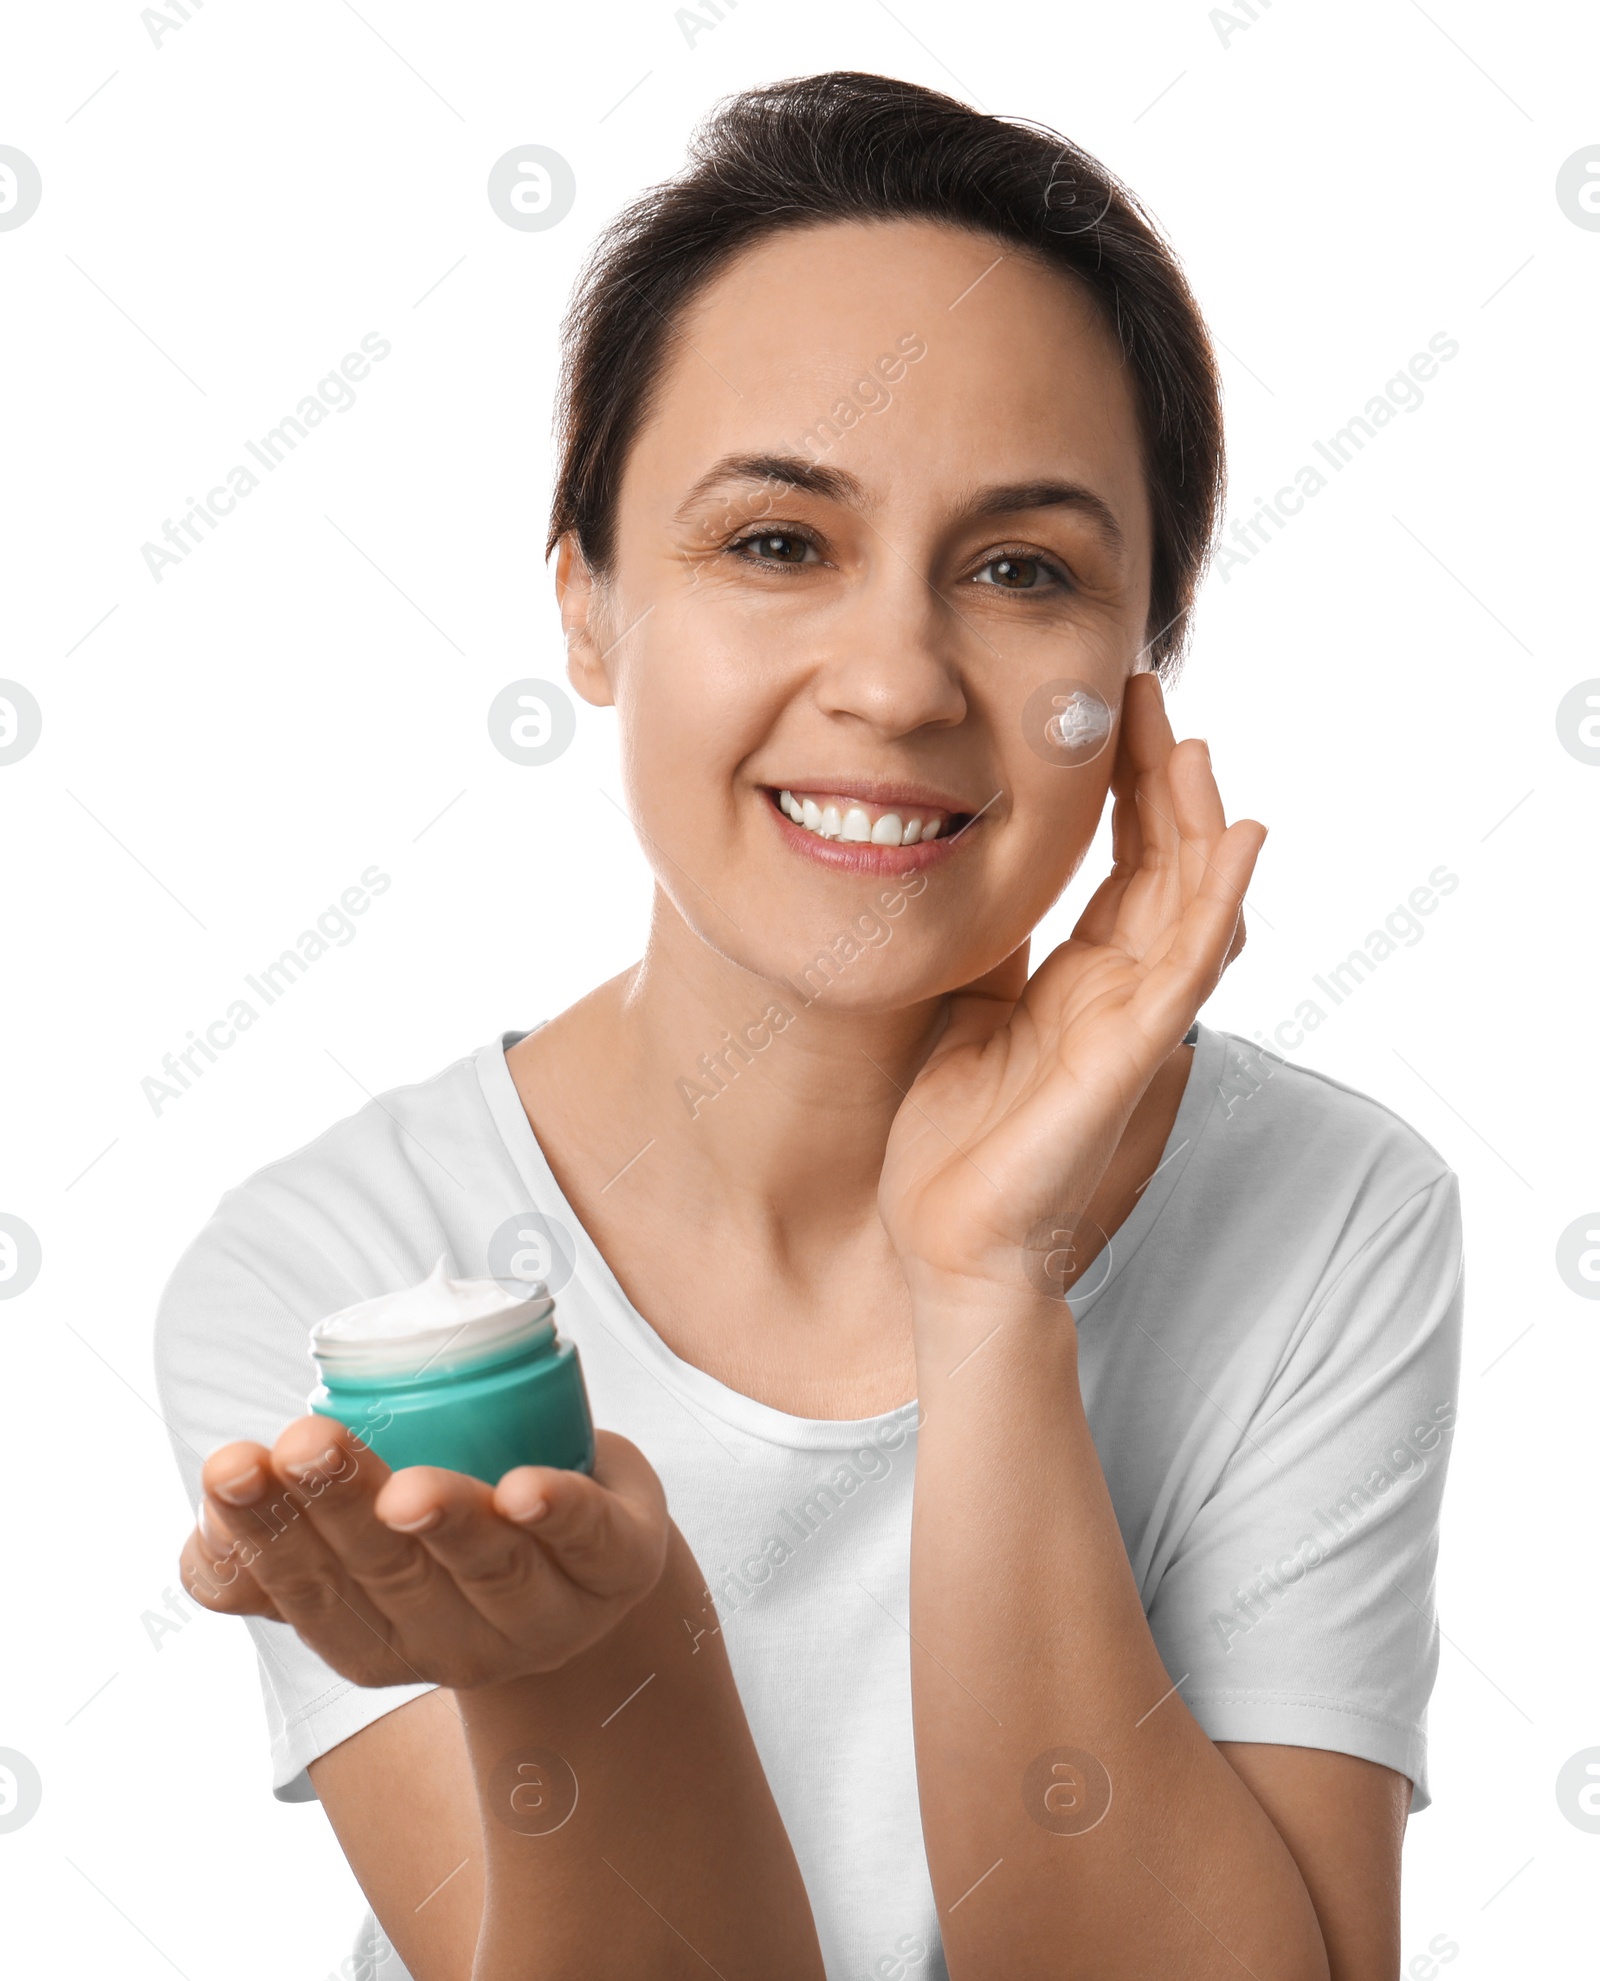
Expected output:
(425, 1576)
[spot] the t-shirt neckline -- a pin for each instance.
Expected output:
(747, 1413)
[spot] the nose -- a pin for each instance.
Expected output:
(891, 658)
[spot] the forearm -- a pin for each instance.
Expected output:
(672, 1858)
(1029, 1636)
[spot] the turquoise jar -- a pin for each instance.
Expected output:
(457, 1373)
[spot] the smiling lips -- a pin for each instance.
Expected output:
(848, 819)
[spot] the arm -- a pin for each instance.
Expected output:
(586, 1798)
(1079, 1822)
(1344, 1820)
(1283, 1867)
(402, 1802)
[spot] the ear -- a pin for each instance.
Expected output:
(578, 593)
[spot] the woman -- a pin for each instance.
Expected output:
(891, 456)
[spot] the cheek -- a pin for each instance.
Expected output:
(1067, 804)
(1056, 812)
(690, 710)
(1056, 728)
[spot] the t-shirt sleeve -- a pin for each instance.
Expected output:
(1299, 1608)
(232, 1362)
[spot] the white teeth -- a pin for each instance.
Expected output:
(855, 824)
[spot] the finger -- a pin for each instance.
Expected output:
(342, 1478)
(1202, 822)
(1144, 714)
(503, 1587)
(224, 1542)
(607, 1532)
(1150, 747)
(479, 1579)
(1098, 921)
(1163, 837)
(376, 1524)
(1236, 945)
(215, 1577)
(1125, 776)
(1196, 801)
(1197, 813)
(303, 1578)
(539, 1558)
(1185, 974)
(1181, 802)
(1201, 818)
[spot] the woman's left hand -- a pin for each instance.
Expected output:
(1020, 1106)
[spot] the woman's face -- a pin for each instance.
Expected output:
(886, 522)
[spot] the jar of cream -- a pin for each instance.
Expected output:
(456, 1372)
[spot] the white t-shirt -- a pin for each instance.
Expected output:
(1269, 1358)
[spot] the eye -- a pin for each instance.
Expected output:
(773, 547)
(1021, 571)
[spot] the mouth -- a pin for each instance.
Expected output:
(890, 830)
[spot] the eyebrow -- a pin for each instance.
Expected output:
(793, 470)
(839, 485)
(1010, 496)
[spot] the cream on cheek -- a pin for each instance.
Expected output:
(1060, 728)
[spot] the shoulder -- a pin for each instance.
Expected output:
(1334, 1225)
(1291, 1131)
(1328, 1222)
(400, 1141)
(359, 1209)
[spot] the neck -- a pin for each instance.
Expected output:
(689, 1094)
(767, 1100)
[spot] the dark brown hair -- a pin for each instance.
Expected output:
(845, 146)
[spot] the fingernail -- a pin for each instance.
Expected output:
(531, 1515)
(418, 1526)
(214, 1537)
(242, 1488)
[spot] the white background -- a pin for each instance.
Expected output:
(224, 752)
